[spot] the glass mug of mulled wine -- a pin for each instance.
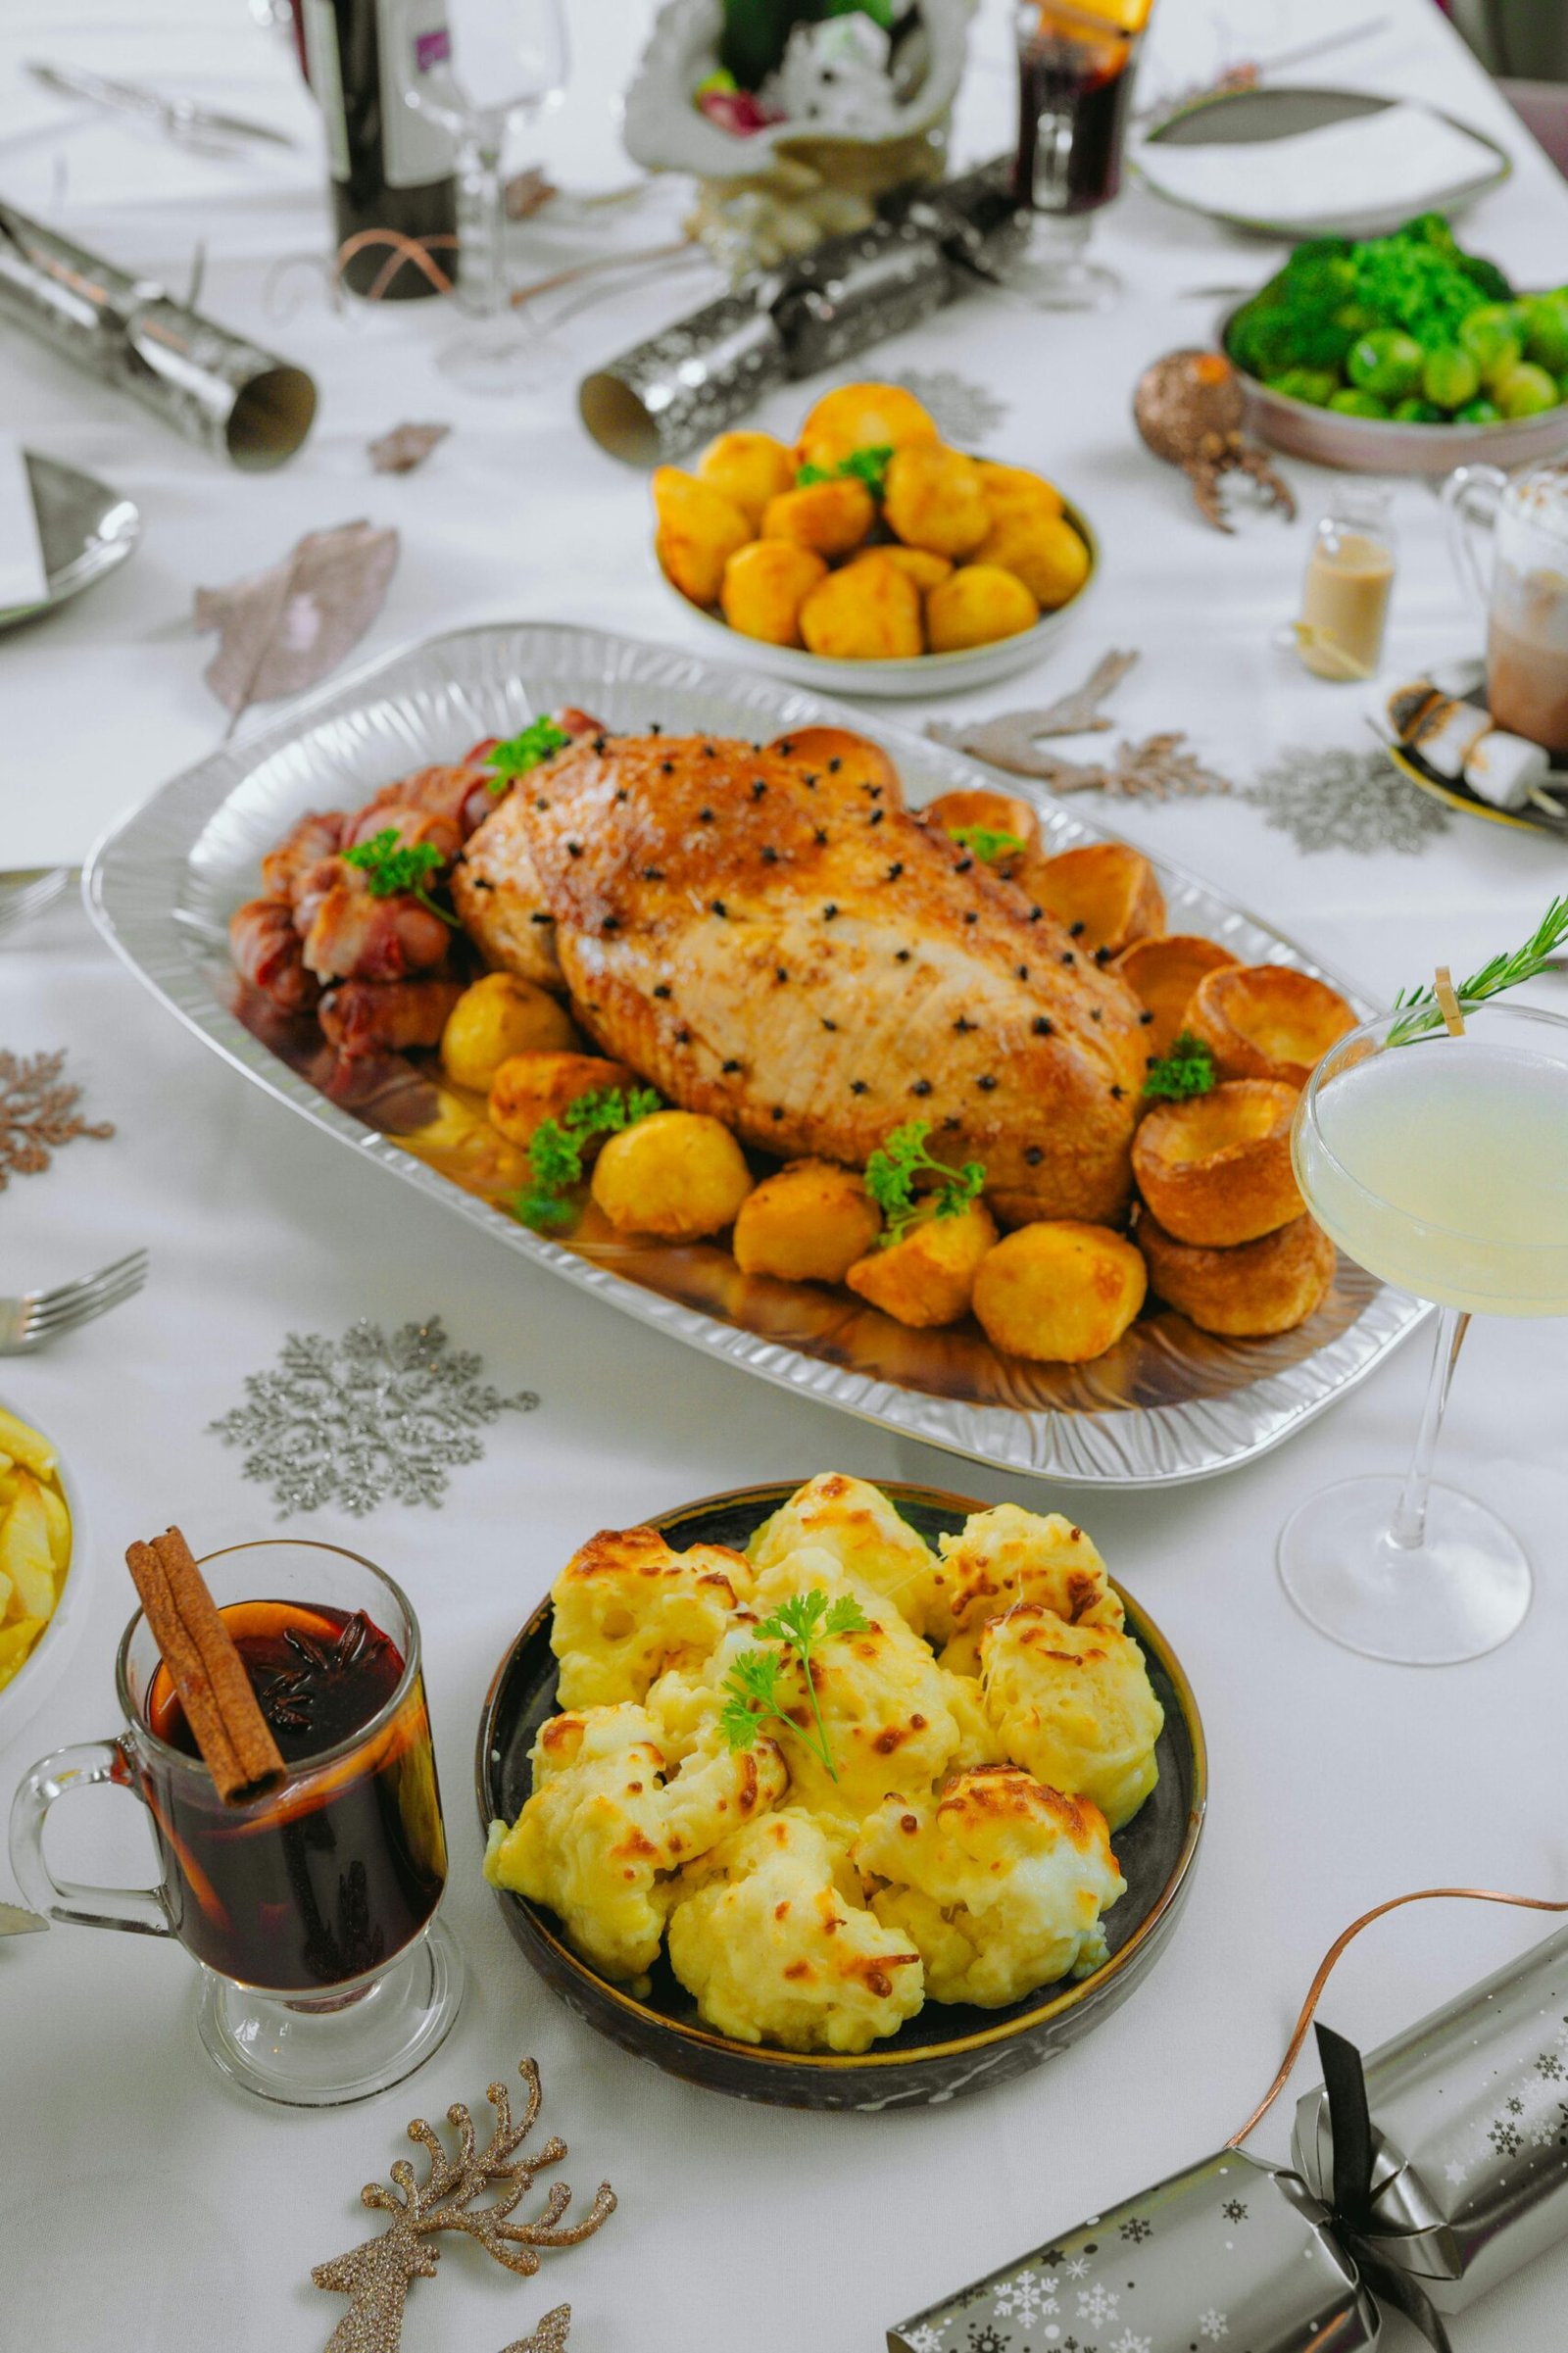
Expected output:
(1526, 602)
(325, 1973)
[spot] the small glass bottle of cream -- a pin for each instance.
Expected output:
(1349, 577)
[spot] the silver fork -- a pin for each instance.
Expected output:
(28, 894)
(41, 1316)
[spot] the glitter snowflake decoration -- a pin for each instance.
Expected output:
(364, 1419)
(1025, 2297)
(962, 411)
(1213, 2324)
(37, 1113)
(1327, 798)
(1097, 2304)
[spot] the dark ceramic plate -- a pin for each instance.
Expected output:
(1457, 794)
(948, 2049)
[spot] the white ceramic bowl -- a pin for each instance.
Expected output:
(33, 1684)
(920, 673)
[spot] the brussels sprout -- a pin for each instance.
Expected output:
(1526, 390)
(1387, 363)
(1478, 412)
(1353, 401)
(1314, 384)
(1450, 376)
(1417, 412)
(1547, 331)
(1491, 337)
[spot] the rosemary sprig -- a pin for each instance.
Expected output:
(391, 866)
(1422, 1012)
(555, 1149)
(1187, 1070)
(752, 1693)
(889, 1175)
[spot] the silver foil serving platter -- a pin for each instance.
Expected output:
(1167, 1405)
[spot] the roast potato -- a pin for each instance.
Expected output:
(979, 810)
(1162, 971)
(978, 604)
(861, 417)
(1104, 892)
(764, 587)
(933, 499)
(497, 1017)
(1249, 1293)
(1267, 1021)
(678, 1174)
(1011, 490)
(1059, 1292)
(749, 467)
(870, 612)
(1042, 551)
(829, 516)
(928, 1278)
(698, 531)
(918, 564)
(530, 1088)
(1217, 1169)
(809, 1224)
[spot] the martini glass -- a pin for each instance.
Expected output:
(1075, 80)
(1440, 1165)
(505, 63)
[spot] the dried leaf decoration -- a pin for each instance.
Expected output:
(549, 2337)
(376, 2276)
(405, 447)
(281, 630)
(39, 1113)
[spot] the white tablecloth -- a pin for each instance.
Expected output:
(142, 2205)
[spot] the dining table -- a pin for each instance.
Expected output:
(146, 2205)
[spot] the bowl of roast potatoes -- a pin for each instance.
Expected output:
(868, 553)
(1217, 1229)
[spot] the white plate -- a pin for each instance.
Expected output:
(87, 528)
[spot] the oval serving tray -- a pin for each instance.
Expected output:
(949, 2049)
(1167, 1405)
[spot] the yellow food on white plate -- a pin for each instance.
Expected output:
(676, 1174)
(1074, 1706)
(776, 1943)
(935, 500)
(1013, 490)
(764, 587)
(748, 468)
(698, 531)
(869, 1540)
(21, 1443)
(628, 1610)
(530, 1088)
(1061, 1292)
(870, 612)
(498, 1016)
(607, 1827)
(1000, 1883)
(1041, 550)
(829, 518)
(1008, 1554)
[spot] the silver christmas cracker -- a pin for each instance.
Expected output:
(1227, 2257)
(239, 403)
(1469, 2114)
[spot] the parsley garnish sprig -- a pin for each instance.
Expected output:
(752, 1693)
(869, 465)
(1187, 1070)
(555, 1149)
(892, 1169)
(540, 740)
(391, 865)
(1422, 1012)
(987, 842)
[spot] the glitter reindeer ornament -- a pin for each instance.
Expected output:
(1188, 407)
(377, 2276)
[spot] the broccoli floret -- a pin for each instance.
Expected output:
(1485, 275)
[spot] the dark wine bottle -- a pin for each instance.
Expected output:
(391, 165)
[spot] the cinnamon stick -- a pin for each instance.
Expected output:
(208, 1672)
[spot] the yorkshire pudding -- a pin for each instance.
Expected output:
(1217, 1169)
(954, 813)
(1163, 973)
(1103, 892)
(1267, 1021)
(1248, 1292)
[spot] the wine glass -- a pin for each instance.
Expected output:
(1440, 1163)
(504, 61)
(1075, 77)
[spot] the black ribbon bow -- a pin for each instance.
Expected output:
(1353, 2217)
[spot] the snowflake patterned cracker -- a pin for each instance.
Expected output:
(1026, 2297)
(364, 1419)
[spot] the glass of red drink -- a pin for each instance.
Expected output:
(325, 1973)
(1075, 79)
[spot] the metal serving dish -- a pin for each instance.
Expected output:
(949, 2049)
(1167, 1405)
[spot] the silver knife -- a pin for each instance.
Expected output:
(181, 118)
(14, 1922)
